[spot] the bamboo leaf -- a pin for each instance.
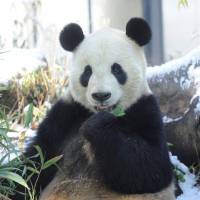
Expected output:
(39, 150)
(3, 88)
(29, 177)
(28, 116)
(34, 170)
(51, 161)
(118, 111)
(5, 130)
(14, 177)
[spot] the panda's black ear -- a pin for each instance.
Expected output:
(138, 30)
(71, 36)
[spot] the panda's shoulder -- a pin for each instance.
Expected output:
(62, 108)
(146, 104)
(147, 117)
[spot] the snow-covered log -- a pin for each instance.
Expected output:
(177, 87)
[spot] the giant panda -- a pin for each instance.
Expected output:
(105, 156)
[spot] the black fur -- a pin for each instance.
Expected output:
(85, 76)
(131, 151)
(119, 73)
(71, 36)
(138, 30)
(131, 155)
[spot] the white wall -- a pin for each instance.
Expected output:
(61, 12)
(114, 13)
(181, 27)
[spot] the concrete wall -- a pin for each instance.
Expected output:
(114, 13)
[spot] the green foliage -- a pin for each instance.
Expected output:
(169, 144)
(183, 3)
(3, 88)
(179, 174)
(118, 111)
(28, 118)
(8, 176)
(22, 103)
(16, 172)
(36, 169)
(50, 162)
(33, 88)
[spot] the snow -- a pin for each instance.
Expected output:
(191, 58)
(190, 191)
(185, 83)
(19, 61)
(197, 109)
(29, 133)
(167, 119)
(185, 78)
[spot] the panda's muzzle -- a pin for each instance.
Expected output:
(101, 96)
(105, 107)
(101, 101)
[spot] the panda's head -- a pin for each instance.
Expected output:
(107, 67)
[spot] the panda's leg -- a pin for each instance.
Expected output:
(51, 136)
(128, 161)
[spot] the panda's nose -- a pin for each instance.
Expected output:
(101, 96)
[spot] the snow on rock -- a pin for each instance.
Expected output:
(192, 58)
(197, 109)
(167, 119)
(190, 191)
(176, 84)
(19, 61)
(184, 70)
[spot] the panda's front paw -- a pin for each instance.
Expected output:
(97, 124)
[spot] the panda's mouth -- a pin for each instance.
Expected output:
(108, 108)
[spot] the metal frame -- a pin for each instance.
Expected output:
(152, 11)
(90, 26)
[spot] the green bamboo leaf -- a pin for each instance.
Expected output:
(169, 144)
(5, 119)
(179, 174)
(29, 177)
(14, 177)
(28, 115)
(118, 111)
(39, 150)
(3, 158)
(3, 88)
(34, 170)
(52, 161)
(5, 130)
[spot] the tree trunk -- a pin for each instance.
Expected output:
(177, 87)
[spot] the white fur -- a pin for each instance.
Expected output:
(101, 50)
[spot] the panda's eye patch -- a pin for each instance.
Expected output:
(85, 76)
(119, 73)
